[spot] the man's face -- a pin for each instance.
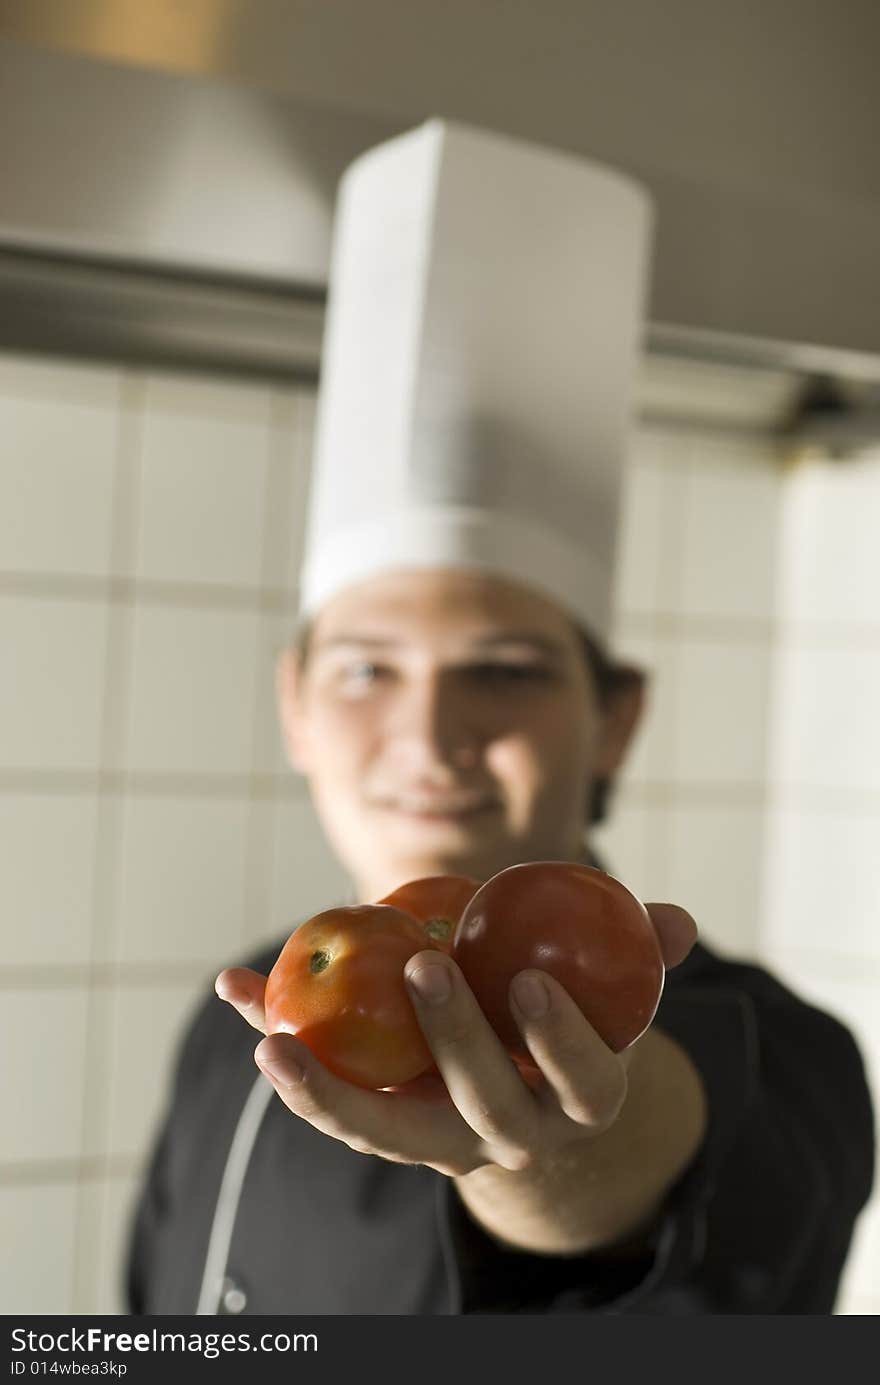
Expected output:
(447, 723)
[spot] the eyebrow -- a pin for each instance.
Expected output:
(542, 643)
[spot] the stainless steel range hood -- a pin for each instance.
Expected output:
(159, 218)
(150, 217)
(215, 129)
(144, 167)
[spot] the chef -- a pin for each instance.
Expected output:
(452, 699)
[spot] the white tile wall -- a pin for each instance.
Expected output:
(306, 876)
(37, 1248)
(136, 737)
(821, 887)
(141, 1025)
(51, 696)
(204, 462)
(825, 883)
(827, 730)
(714, 871)
(298, 466)
(633, 845)
(647, 571)
(721, 711)
(732, 503)
(105, 1208)
(182, 891)
(58, 447)
(47, 870)
(43, 1040)
(275, 630)
(102, 1291)
(193, 684)
(155, 832)
(832, 521)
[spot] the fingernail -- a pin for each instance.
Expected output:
(284, 1071)
(531, 996)
(430, 982)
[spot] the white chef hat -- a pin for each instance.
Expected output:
(482, 337)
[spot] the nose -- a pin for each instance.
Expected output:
(433, 725)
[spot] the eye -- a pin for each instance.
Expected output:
(362, 673)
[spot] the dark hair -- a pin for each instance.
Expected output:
(607, 678)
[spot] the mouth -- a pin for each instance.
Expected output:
(453, 811)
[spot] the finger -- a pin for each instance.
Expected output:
(676, 930)
(428, 1086)
(484, 1084)
(245, 991)
(585, 1078)
(388, 1124)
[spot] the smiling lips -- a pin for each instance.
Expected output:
(446, 807)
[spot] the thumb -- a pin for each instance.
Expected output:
(676, 930)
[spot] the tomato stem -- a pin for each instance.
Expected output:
(319, 961)
(438, 928)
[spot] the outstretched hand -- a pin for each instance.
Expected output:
(482, 1109)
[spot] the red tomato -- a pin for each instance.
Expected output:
(583, 927)
(338, 985)
(437, 902)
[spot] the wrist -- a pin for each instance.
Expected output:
(607, 1192)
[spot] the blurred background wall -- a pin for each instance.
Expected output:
(154, 455)
(151, 832)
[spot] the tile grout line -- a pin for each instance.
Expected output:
(133, 590)
(145, 783)
(773, 722)
(262, 824)
(673, 522)
(59, 1172)
(829, 636)
(105, 977)
(111, 812)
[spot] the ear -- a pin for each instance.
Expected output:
(623, 712)
(291, 713)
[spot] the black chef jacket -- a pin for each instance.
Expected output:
(761, 1221)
